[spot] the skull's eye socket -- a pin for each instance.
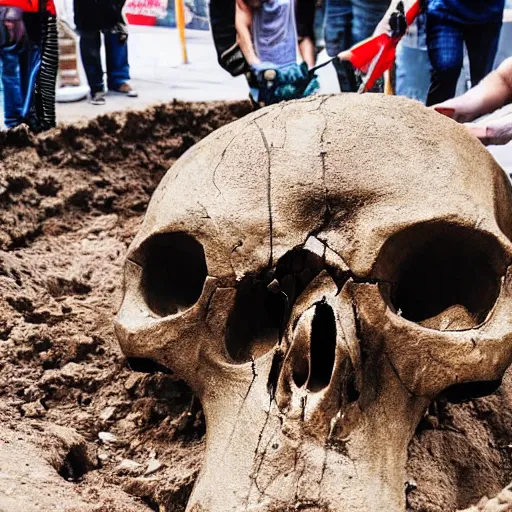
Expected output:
(444, 277)
(174, 272)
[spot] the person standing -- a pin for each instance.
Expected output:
(13, 44)
(348, 22)
(450, 24)
(30, 63)
(222, 15)
(92, 18)
(267, 35)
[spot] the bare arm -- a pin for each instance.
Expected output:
(305, 18)
(308, 51)
(243, 24)
(494, 91)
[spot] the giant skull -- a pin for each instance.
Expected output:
(318, 272)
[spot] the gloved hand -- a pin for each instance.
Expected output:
(264, 71)
(397, 21)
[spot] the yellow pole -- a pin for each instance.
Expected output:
(388, 81)
(180, 23)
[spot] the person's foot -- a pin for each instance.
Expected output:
(98, 98)
(127, 90)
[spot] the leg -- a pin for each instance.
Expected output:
(412, 63)
(445, 50)
(305, 13)
(90, 44)
(11, 81)
(366, 16)
(118, 69)
(482, 44)
(1, 96)
(338, 21)
(30, 64)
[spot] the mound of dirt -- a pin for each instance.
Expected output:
(83, 432)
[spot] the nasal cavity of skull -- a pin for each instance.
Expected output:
(174, 272)
(445, 277)
(317, 371)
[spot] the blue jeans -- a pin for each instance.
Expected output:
(445, 41)
(20, 69)
(412, 63)
(348, 22)
(118, 69)
(1, 96)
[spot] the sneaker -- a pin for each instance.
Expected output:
(98, 98)
(127, 90)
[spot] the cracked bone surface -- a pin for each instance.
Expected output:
(318, 272)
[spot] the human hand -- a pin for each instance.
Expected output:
(456, 109)
(494, 131)
(345, 55)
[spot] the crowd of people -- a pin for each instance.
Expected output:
(275, 44)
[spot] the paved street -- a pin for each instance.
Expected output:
(159, 75)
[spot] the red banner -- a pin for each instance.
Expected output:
(152, 8)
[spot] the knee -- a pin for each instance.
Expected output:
(446, 67)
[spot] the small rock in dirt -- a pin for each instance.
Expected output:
(83, 346)
(108, 438)
(68, 452)
(128, 467)
(107, 413)
(103, 456)
(135, 444)
(132, 381)
(33, 409)
(72, 372)
(153, 466)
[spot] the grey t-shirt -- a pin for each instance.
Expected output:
(275, 32)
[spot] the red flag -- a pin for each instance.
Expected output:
(376, 55)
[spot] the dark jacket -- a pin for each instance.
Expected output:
(92, 15)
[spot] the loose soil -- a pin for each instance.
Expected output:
(81, 431)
